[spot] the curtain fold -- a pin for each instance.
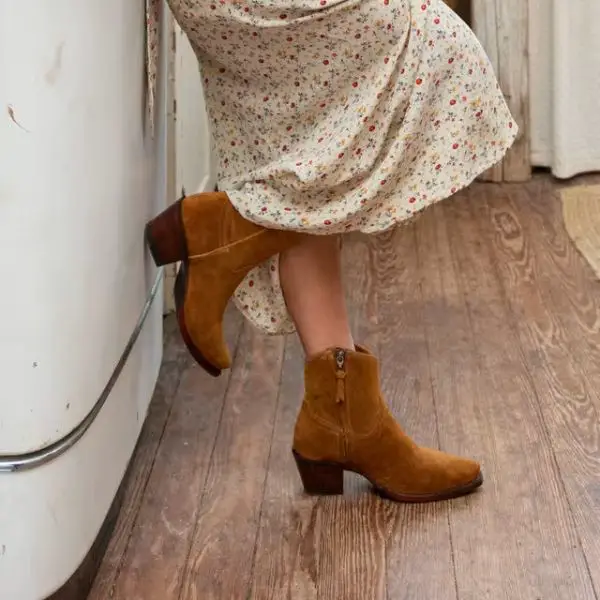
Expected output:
(565, 85)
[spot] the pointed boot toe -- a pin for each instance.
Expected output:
(434, 476)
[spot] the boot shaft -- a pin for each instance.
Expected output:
(210, 222)
(342, 390)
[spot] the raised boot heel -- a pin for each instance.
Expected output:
(320, 479)
(165, 236)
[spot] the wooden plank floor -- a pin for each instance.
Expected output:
(487, 323)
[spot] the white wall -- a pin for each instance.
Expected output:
(78, 180)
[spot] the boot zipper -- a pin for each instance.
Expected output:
(340, 374)
(340, 395)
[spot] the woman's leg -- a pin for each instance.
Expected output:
(311, 278)
(343, 423)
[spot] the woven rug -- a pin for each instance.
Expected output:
(581, 211)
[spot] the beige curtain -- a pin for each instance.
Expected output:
(565, 85)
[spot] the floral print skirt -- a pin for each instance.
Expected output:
(330, 116)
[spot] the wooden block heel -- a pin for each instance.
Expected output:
(165, 236)
(320, 479)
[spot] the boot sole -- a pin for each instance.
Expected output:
(325, 479)
(165, 237)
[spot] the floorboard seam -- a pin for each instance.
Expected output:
(210, 461)
(268, 463)
(512, 323)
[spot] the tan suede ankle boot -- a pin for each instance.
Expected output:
(345, 425)
(217, 248)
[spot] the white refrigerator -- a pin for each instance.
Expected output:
(80, 174)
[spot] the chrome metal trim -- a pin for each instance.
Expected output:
(37, 458)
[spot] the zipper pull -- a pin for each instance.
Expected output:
(340, 359)
(340, 374)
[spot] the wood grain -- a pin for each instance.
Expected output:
(419, 555)
(176, 360)
(537, 554)
(219, 563)
(487, 323)
(353, 528)
(154, 562)
(555, 299)
(285, 565)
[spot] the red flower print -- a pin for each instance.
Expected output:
(431, 91)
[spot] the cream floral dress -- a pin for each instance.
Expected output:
(331, 116)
